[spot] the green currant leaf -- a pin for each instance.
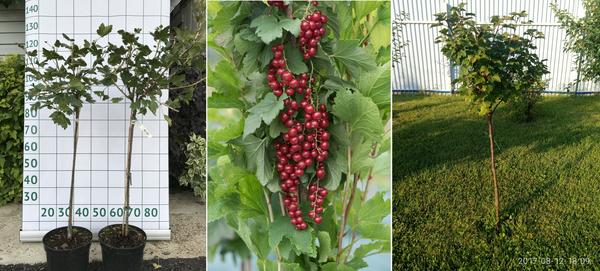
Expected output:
(220, 100)
(224, 78)
(294, 60)
(356, 59)
(376, 85)
(337, 267)
(252, 201)
(303, 241)
(362, 8)
(291, 25)
(377, 246)
(231, 130)
(251, 124)
(266, 110)
(324, 246)
(257, 157)
(252, 232)
(360, 113)
(267, 28)
(104, 30)
(381, 35)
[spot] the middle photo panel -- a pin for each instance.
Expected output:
(299, 135)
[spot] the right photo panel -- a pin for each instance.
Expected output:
(496, 134)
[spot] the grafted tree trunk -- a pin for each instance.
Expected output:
(125, 225)
(493, 165)
(72, 188)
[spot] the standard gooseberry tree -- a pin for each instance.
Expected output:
(582, 38)
(496, 64)
(141, 73)
(63, 86)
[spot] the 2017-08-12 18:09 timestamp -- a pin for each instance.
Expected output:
(555, 260)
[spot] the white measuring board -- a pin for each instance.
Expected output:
(100, 170)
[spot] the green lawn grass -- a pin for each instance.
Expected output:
(548, 173)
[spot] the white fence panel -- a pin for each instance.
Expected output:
(424, 68)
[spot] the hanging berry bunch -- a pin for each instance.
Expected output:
(277, 3)
(305, 144)
(312, 30)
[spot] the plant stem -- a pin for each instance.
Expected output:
(271, 220)
(72, 188)
(125, 225)
(493, 165)
(189, 85)
(269, 208)
(364, 196)
(345, 195)
(370, 176)
(290, 12)
(281, 204)
(345, 218)
(246, 265)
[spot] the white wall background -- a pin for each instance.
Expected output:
(12, 32)
(424, 68)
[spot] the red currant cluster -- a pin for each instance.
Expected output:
(316, 195)
(304, 144)
(312, 30)
(277, 3)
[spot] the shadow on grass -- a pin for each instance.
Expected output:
(398, 100)
(445, 139)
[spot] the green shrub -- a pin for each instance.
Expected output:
(195, 171)
(523, 106)
(11, 127)
(8, 3)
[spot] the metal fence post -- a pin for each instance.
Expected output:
(578, 74)
(451, 68)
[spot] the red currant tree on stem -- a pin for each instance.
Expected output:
(299, 102)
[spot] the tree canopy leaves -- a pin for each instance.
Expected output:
(496, 64)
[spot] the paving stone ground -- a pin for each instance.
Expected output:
(177, 264)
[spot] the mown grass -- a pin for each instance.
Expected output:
(549, 177)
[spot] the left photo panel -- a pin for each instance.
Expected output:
(102, 123)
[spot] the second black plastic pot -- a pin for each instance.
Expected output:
(73, 259)
(121, 259)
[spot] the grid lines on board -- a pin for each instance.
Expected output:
(102, 150)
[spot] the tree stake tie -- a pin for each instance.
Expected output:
(145, 131)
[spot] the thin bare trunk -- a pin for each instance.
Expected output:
(345, 218)
(364, 195)
(271, 220)
(72, 188)
(344, 205)
(246, 265)
(281, 205)
(125, 225)
(493, 165)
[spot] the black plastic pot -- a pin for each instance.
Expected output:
(121, 259)
(75, 259)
